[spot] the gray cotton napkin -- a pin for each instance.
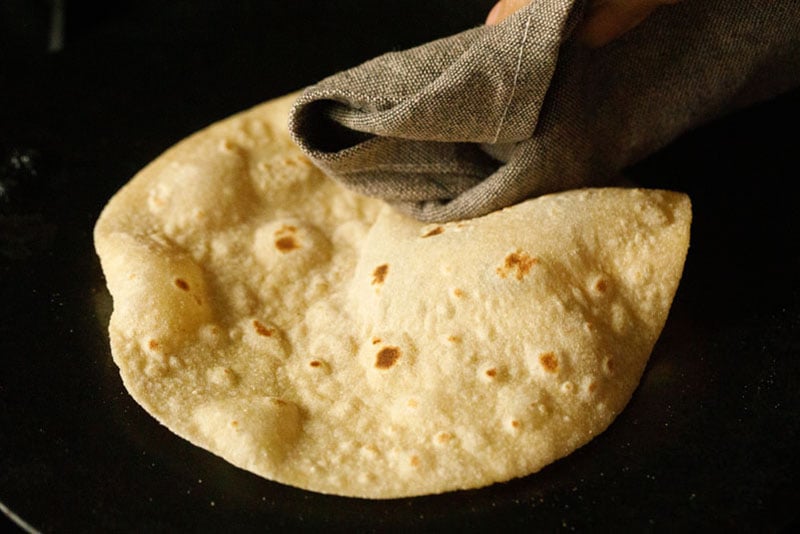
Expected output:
(471, 123)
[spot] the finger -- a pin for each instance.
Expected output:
(494, 14)
(503, 9)
(608, 19)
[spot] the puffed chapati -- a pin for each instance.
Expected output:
(321, 339)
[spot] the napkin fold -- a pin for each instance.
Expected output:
(469, 124)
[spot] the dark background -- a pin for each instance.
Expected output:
(709, 441)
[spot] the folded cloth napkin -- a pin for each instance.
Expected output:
(471, 123)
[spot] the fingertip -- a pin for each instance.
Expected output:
(608, 21)
(494, 15)
(504, 9)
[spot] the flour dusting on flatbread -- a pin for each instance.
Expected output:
(320, 339)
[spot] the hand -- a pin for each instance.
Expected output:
(605, 19)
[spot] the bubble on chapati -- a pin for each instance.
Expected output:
(222, 376)
(250, 431)
(291, 247)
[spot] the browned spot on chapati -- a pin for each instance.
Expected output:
(415, 461)
(387, 357)
(515, 423)
(262, 330)
(315, 363)
(379, 274)
(286, 244)
(491, 373)
(180, 283)
(283, 242)
(376, 340)
(444, 437)
(436, 231)
(601, 285)
(458, 293)
(549, 362)
(454, 339)
(518, 264)
(152, 344)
